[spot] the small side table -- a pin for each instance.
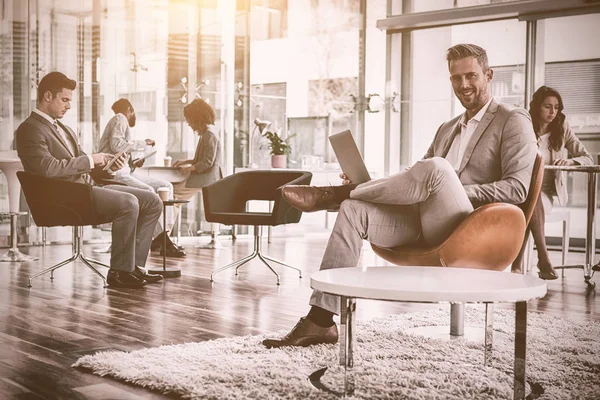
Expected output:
(167, 272)
(10, 163)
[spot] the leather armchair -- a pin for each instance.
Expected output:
(489, 238)
(225, 203)
(56, 202)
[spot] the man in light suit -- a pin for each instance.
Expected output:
(47, 147)
(482, 156)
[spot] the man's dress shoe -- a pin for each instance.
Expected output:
(173, 251)
(150, 278)
(310, 198)
(124, 279)
(305, 333)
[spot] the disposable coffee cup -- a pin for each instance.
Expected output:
(163, 193)
(168, 161)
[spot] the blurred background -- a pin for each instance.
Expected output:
(309, 67)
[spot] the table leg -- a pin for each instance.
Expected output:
(520, 349)
(590, 242)
(489, 334)
(346, 341)
(13, 254)
(167, 272)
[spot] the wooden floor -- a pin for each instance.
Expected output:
(43, 330)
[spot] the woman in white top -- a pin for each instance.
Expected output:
(558, 145)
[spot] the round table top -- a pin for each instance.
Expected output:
(173, 202)
(429, 284)
(574, 168)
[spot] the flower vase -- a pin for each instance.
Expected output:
(278, 160)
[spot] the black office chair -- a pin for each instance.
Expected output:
(225, 203)
(55, 202)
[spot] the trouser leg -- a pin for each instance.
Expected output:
(134, 214)
(427, 199)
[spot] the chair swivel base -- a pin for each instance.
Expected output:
(257, 252)
(167, 272)
(77, 256)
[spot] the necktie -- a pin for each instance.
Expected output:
(55, 125)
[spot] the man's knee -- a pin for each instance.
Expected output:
(434, 168)
(128, 203)
(355, 211)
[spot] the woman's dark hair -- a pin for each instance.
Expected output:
(200, 113)
(54, 82)
(121, 106)
(556, 127)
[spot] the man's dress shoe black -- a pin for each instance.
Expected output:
(305, 333)
(124, 279)
(173, 251)
(150, 278)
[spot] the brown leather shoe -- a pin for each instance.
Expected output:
(305, 333)
(310, 198)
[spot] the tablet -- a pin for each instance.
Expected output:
(116, 157)
(349, 157)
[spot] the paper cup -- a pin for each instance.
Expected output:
(168, 161)
(163, 193)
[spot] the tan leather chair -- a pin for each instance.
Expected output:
(489, 238)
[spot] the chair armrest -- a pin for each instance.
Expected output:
(489, 238)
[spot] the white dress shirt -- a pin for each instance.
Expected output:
(462, 139)
(65, 136)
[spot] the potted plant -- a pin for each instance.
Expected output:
(280, 148)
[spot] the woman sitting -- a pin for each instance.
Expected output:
(558, 145)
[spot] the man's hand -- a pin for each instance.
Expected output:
(139, 163)
(345, 180)
(187, 168)
(564, 162)
(119, 163)
(150, 142)
(100, 159)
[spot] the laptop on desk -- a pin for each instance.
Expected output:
(351, 162)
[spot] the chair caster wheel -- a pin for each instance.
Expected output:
(591, 284)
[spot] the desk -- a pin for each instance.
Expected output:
(167, 272)
(429, 285)
(10, 163)
(590, 232)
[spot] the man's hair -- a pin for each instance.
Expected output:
(465, 50)
(200, 112)
(121, 106)
(54, 82)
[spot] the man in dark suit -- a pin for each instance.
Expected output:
(47, 147)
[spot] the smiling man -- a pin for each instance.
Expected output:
(483, 156)
(49, 148)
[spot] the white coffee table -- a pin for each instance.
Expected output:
(431, 285)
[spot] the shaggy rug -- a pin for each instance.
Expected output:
(562, 356)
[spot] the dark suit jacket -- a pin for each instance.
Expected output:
(43, 151)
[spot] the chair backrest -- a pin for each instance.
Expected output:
(535, 188)
(56, 202)
(226, 199)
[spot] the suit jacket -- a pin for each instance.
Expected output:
(498, 161)
(573, 148)
(207, 160)
(43, 151)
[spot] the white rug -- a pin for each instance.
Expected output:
(563, 356)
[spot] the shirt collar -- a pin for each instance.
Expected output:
(45, 116)
(477, 117)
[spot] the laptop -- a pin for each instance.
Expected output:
(349, 157)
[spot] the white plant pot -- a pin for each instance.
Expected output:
(279, 161)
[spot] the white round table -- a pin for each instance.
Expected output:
(169, 174)
(431, 285)
(10, 163)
